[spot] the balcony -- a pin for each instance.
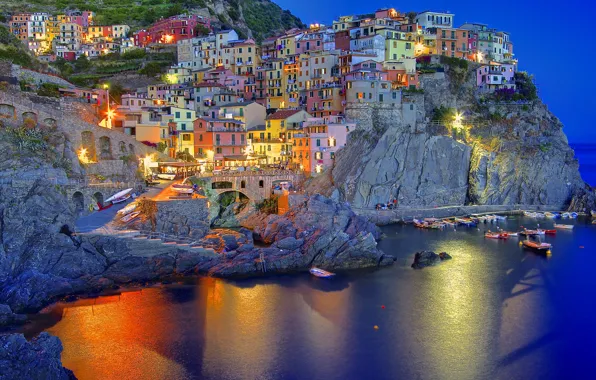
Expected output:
(231, 143)
(224, 129)
(269, 141)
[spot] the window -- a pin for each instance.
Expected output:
(394, 95)
(269, 148)
(177, 114)
(186, 137)
(332, 155)
(318, 142)
(380, 97)
(218, 150)
(188, 115)
(183, 126)
(200, 137)
(332, 142)
(318, 155)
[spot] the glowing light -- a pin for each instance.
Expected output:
(83, 156)
(106, 86)
(458, 117)
(319, 168)
(111, 114)
(479, 56)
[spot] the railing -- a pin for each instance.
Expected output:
(265, 172)
(274, 141)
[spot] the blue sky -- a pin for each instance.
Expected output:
(551, 41)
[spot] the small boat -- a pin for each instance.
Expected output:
(564, 226)
(183, 189)
(510, 233)
(536, 245)
(321, 273)
(549, 215)
(565, 215)
(529, 213)
(550, 232)
(131, 216)
(128, 209)
(594, 221)
(168, 176)
(573, 215)
(527, 232)
(539, 215)
(430, 220)
(593, 213)
(500, 217)
(119, 197)
(494, 235)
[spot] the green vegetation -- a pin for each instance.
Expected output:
(525, 86)
(12, 49)
(267, 206)
(443, 114)
(264, 18)
(49, 89)
(454, 62)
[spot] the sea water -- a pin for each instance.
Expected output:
(495, 311)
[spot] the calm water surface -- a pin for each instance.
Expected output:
(493, 312)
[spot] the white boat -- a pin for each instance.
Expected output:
(549, 215)
(564, 226)
(321, 273)
(539, 215)
(168, 176)
(500, 217)
(530, 214)
(565, 215)
(130, 216)
(128, 209)
(119, 197)
(183, 189)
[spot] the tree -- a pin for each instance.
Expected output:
(200, 30)
(82, 63)
(411, 17)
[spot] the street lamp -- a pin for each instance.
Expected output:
(110, 113)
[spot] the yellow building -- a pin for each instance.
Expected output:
(288, 45)
(290, 89)
(246, 58)
(275, 139)
(273, 73)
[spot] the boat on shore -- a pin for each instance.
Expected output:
(318, 272)
(183, 189)
(130, 217)
(128, 209)
(564, 226)
(166, 176)
(537, 246)
(511, 233)
(120, 196)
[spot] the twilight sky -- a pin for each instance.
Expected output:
(555, 41)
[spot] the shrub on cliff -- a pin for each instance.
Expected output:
(49, 89)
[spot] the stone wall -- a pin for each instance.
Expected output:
(184, 218)
(38, 78)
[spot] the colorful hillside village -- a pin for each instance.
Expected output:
(231, 102)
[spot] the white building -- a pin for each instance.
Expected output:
(374, 45)
(428, 19)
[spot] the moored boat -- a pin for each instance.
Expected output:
(549, 215)
(550, 232)
(565, 215)
(527, 232)
(494, 235)
(318, 272)
(536, 245)
(573, 215)
(500, 217)
(510, 233)
(564, 226)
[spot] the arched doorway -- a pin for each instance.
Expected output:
(232, 206)
(79, 201)
(105, 148)
(98, 197)
(88, 143)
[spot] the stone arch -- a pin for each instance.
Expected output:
(131, 149)
(228, 191)
(88, 143)
(98, 197)
(122, 146)
(49, 122)
(30, 117)
(78, 199)
(7, 111)
(105, 148)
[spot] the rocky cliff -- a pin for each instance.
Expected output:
(500, 153)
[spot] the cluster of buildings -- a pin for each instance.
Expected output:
(76, 33)
(232, 102)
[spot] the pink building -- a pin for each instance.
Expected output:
(314, 148)
(220, 141)
(496, 76)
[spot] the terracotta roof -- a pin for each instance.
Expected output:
(282, 114)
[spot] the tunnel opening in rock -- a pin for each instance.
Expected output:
(233, 205)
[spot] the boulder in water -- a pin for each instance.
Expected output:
(425, 259)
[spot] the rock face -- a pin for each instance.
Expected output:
(509, 153)
(37, 359)
(425, 259)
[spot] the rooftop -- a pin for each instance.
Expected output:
(282, 114)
